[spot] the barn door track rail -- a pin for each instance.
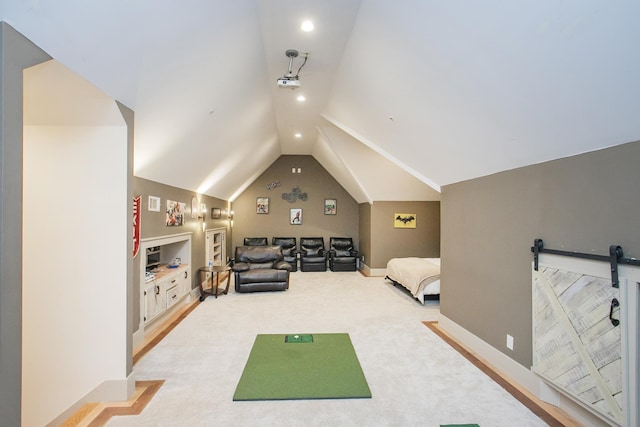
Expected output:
(616, 257)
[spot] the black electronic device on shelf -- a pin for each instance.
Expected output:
(153, 258)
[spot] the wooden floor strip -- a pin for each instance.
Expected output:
(546, 412)
(98, 414)
(137, 404)
(163, 332)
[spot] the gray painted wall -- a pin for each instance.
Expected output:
(316, 182)
(365, 232)
(153, 225)
(583, 203)
(16, 54)
(388, 242)
(132, 324)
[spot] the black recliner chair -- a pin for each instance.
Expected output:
(289, 250)
(312, 254)
(342, 254)
(256, 241)
(260, 269)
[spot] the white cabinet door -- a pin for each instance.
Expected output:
(185, 282)
(155, 301)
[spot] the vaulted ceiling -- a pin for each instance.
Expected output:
(402, 97)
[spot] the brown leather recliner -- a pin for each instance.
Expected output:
(260, 268)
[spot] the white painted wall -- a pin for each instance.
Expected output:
(75, 219)
(74, 271)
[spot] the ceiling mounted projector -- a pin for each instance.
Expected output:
(290, 80)
(287, 83)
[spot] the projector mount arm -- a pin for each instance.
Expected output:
(291, 54)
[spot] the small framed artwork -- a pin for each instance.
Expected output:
(175, 213)
(404, 220)
(153, 204)
(216, 213)
(330, 206)
(295, 216)
(262, 205)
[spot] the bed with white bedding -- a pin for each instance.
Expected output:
(420, 276)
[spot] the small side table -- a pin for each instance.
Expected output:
(215, 285)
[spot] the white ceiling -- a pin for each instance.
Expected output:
(403, 97)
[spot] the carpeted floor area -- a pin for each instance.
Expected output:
(415, 378)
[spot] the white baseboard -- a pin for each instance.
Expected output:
(138, 338)
(517, 373)
(107, 391)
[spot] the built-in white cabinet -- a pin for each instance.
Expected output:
(163, 285)
(216, 246)
(155, 302)
(169, 287)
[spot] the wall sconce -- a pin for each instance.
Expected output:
(202, 215)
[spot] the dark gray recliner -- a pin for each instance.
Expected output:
(312, 254)
(289, 250)
(342, 254)
(260, 268)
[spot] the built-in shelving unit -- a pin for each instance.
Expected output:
(216, 246)
(163, 282)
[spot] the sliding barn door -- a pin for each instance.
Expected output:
(577, 345)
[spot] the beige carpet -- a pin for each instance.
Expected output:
(416, 379)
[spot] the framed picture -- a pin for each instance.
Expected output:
(330, 206)
(404, 220)
(262, 205)
(295, 216)
(216, 213)
(175, 213)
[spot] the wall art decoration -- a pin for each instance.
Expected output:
(295, 216)
(404, 220)
(175, 213)
(216, 213)
(296, 194)
(137, 203)
(273, 185)
(262, 205)
(330, 206)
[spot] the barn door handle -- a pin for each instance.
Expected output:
(614, 303)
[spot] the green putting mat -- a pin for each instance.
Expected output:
(304, 366)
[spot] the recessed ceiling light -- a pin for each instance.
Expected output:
(307, 26)
(301, 98)
(298, 135)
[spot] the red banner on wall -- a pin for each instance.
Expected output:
(136, 225)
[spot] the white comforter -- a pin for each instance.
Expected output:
(421, 276)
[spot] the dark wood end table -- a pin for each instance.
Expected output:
(215, 285)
